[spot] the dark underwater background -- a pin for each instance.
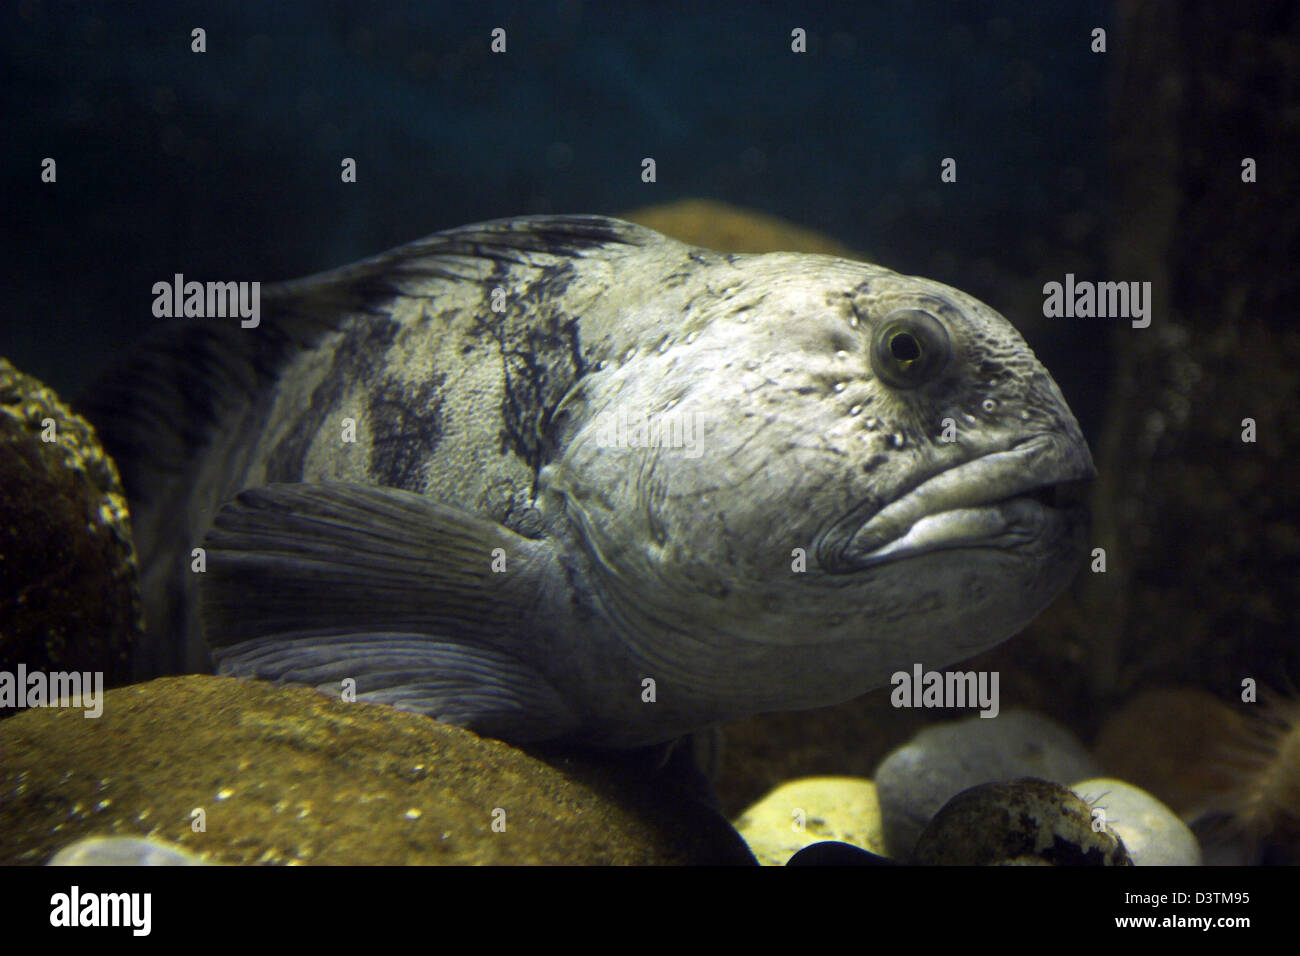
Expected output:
(1115, 166)
(227, 163)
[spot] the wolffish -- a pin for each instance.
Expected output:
(562, 477)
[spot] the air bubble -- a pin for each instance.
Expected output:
(989, 405)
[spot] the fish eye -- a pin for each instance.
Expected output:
(911, 347)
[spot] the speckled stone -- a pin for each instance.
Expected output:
(289, 775)
(918, 778)
(1152, 833)
(68, 593)
(1023, 823)
(803, 812)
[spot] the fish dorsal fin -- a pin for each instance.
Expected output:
(159, 407)
(467, 253)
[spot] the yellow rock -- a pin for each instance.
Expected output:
(807, 811)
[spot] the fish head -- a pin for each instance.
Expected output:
(837, 472)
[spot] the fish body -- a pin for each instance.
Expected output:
(565, 478)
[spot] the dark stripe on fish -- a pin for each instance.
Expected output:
(407, 422)
(359, 357)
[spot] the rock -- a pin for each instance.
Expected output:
(1023, 823)
(815, 809)
(282, 774)
(124, 851)
(68, 594)
(834, 853)
(1230, 771)
(725, 228)
(1172, 743)
(1152, 833)
(914, 781)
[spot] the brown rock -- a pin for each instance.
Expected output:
(290, 775)
(1172, 742)
(724, 228)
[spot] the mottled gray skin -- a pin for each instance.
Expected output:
(648, 563)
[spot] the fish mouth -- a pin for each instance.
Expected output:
(1003, 499)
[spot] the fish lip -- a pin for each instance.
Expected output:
(1000, 498)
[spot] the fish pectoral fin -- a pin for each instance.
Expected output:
(340, 556)
(478, 688)
(427, 606)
